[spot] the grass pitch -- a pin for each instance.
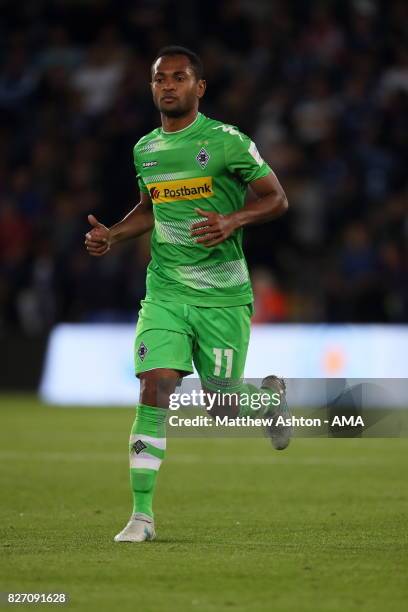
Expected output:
(321, 526)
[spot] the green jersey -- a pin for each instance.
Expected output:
(206, 165)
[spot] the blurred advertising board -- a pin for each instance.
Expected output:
(93, 364)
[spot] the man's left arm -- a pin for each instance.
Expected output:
(271, 203)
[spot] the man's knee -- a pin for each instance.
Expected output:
(157, 385)
(222, 404)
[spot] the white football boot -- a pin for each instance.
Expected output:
(140, 528)
(280, 435)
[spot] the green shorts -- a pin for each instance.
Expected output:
(173, 335)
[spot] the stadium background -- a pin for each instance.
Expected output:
(320, 86)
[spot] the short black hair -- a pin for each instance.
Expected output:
(194, 59)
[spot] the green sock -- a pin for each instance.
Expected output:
(147, 448)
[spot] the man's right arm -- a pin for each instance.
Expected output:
(137, 222)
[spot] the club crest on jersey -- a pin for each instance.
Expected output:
(142, 351)
(202, 157)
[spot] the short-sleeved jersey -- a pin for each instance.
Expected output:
(207, 165)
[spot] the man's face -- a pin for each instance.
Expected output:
(176, 91)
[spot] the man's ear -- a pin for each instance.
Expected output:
(202, 85)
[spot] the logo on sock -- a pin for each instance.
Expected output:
(138, 446)
(142, 352)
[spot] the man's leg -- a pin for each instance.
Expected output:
(162, 356)
(148, 435)
(147, 449)
(220, 355)
(220, 352)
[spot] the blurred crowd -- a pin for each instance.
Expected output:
(322, 87)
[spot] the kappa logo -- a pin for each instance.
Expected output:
(228, 129)
(183, 189)
(149, 164)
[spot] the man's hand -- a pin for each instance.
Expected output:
(98, 240)
(215, 228)
(271, 203)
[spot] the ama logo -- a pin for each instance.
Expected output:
(154, 193)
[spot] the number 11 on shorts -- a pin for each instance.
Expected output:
(218, 352)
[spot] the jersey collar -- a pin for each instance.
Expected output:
(190, 125)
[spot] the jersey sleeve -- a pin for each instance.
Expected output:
(137, 163)
(243, 158)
